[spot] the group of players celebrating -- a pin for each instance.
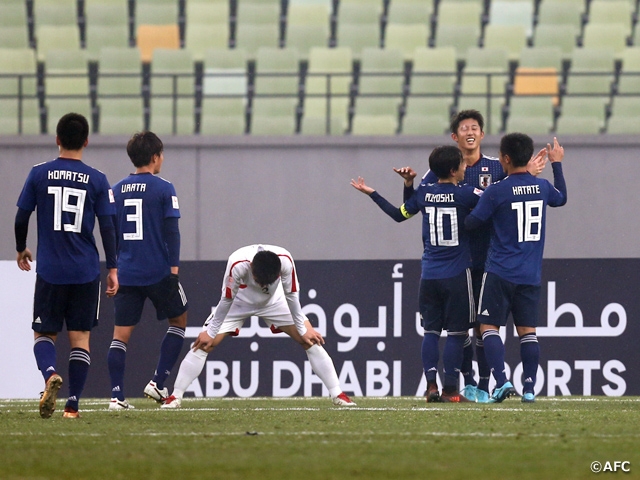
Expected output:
(483, 235)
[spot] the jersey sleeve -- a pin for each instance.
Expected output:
(27, 198)
(557, 193)
(233, 278)
(171, 205)
(105, 201)
(484, 209)
(291, 287)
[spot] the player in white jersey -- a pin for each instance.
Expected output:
(259, 280)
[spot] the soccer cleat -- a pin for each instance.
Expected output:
(505, 391)
(343, 400)
(454, 397)
(470, 393)
(482, 396)
(171, 402)
(116, 404)
(70, 413)
(49, 396)
(528, 397)
(433, 396)
(152, 391)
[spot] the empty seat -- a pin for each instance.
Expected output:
(629, 81)
(618, 13)
(427, 115)
(121, 116)
(538, 72)
(273, 116)
(207, 13)
(461, 39)
(172, 88)
(49, 37)
(98, 37)
(584, 107)
(19, 113)
(571, 125)
(56, 108)
(561, 13)
(151, 37)
(434, 70)
(307, 26)
(251, 37)
(410, 12)
(530, 114)
(119, 73)
(591, 71)
(624, 116)
(356, 12)
(55, 12)
(358, 37)
(513, 38)
(406, 38)
(467, 14)
(564, 37)
(486, 72)
(14, 37)
(200, 37)
(605, 36)
(374, 125)
(512, 13)
(155, 12)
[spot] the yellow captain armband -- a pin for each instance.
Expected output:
(404, 212)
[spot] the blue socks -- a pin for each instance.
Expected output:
(79, 362)
(452, 359)
(169, 353)
(494, 352)
(44, 349)
(116, 361)
(484, 371)
(530, 356)
(467, 362)
(430, 355)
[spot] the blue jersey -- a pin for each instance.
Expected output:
(68, 195)
(444, 207)
(480, 175)
(143, 201)
(517, 206)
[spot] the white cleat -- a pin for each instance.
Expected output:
(343, 400)
(116, 404)
(152, 391)
(172, 402)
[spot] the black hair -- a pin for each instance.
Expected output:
(445, 159)
(265, 267)
(464, 115)
(142, 147)
(72, 131)
(519, 148)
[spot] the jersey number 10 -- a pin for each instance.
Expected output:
(436, 224)
(529, 220)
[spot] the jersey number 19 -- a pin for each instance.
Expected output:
(62, 203)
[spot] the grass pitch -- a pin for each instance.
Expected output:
(308, 438)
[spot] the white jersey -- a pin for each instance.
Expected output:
(240, 288)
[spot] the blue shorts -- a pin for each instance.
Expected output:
(167, 297)
(447, 303)
(73, 304)
(499, 298)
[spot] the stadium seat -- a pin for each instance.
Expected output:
(596, 61)
(210, 13)
(18, 115)
(273, 116)
(512, 13)
(14, 37)
(121, 116)
(100, 36)
(429, 68)
(529, 125)
(327, 3)
(156, 12)
(513, 38)
(14, 14)
(55, 12)
(66, 74)
(308, 26)
(552, 12)
(200, 37)
(460, 14)
(56, 108)
(119, 72)
(358, 37)
(585, 107)
(564, 37)
(624, 117)
(541, 57)
(570, 125)
(251, 37)
(530, 114)
(618, 14)
(605, 36)
(172, 88)
(410, 12)
(406, 38)
(421, 124)
(323, 61)
(151, 37)
(629, 80)
(374, 125)
(482, 61)
(538, 72)
(65, 37)
(461, 39)
(491, 110)
(224, 96)
(355, 12)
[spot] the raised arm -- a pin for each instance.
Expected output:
(398, 214)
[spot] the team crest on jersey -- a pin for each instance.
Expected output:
(484, 180)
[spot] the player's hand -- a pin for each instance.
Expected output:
(312, 337)
(203, 342)
(360, 185)
(112, 282)
(556, 154)
(537, 162)
(408, 174)
(24, 260)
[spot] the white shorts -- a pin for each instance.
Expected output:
(275, 315)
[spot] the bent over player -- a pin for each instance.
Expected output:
(259, 280)
(513, 272)
(446, 296)
(68, 195)
(148, 262)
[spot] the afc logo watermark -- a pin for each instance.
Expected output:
(615, 466)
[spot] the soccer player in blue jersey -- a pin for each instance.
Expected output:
(511, 283)
(68, 195)
(467, 130)
(446, 297)
(148, 263)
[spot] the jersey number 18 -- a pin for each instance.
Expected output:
(529, 220)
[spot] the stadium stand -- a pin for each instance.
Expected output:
(308, 25)
(18, 114)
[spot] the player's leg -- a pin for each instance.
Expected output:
(48, 319)
(170, 302)
(467, 360)
(128, 304)
(525, 317)
(484, 372)
(81, 317)
(431, 317)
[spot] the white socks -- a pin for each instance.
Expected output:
(190, 369)
(322, 365)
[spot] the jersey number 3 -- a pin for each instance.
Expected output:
(529, 220)
(135, 217)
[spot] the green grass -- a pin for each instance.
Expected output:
(302, 438)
